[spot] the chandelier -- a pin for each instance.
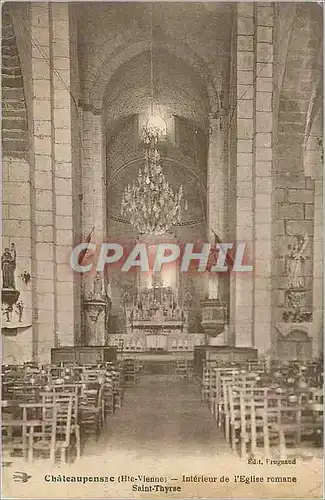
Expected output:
(150, 204)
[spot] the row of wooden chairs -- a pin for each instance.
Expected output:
(44, 428)
(254, 411)
(131, 371)
(52, 418)
(184, 368)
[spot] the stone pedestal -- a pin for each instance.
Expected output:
(214, 317)
(296, 311)
(95, 311)
(9, 297)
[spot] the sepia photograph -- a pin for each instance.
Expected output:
(162, 249)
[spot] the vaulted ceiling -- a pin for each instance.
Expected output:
(178, 90)
(300, 85)
(111, 34)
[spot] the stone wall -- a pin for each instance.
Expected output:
(15, 139)
(297, 173)
(17, 193)
(39, 191)
(294, 218)
(264, 165)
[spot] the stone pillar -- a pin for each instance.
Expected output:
(263, 185)
(99, 188)
(95, 311)
(242, 285)
(216, 177)
(211, 307)
(214, 196)
(93, 176)
(251, 292)
(93, 195)
(62, 172)
(44, 206)
(217, 185)
(53, 178)
(313, 165)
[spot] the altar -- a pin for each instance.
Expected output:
(156, 308)
(156, 320)
(156, 342)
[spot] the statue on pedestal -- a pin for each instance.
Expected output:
(295, 263)
(8, 266)
(9, 294)
(296, 291)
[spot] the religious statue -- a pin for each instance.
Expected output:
(295, 263)
(7, 311)
(126, 299)
(98, 286)
(8, 266)
(20, 309)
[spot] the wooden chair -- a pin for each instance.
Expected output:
(62, 401)
(25, 393)
(91, 375)
(131, 371)
(223, 378)
(41, 426)
(232, 411)
(53, 434)
(116, 376)
(14, 430)
(255, 424)
(205, 385)
(65, 404)
(316, 407)
(108, 396)
(183, 368)
(92, 414)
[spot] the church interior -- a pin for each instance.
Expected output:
(162, 123)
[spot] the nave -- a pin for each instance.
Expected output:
(155, 425)
(163, 415)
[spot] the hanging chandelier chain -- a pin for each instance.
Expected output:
(150, 203)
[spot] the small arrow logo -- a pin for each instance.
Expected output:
(21, 477)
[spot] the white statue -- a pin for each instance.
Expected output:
(295, 263)
(98, 286)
